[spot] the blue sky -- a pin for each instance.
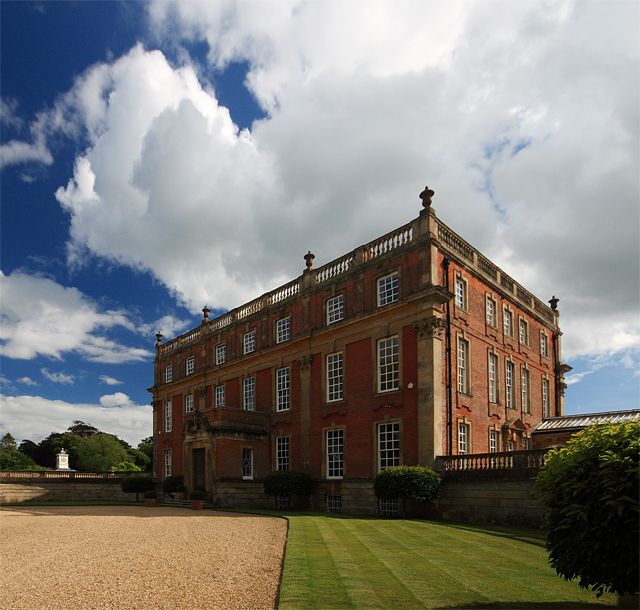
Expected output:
(158, 157)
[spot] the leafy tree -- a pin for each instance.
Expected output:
(101, 452)
(140, 459)
(12, 459)
(79, 428)
(137, 485)
(287, 483)
(146, 447)
(407, 483)
(590, 489)
(71, 444)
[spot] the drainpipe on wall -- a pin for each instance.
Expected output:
(445, 267)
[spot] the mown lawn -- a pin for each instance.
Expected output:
(337, 561)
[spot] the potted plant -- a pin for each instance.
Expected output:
(197, 499)
(181, 490)
(150, 497)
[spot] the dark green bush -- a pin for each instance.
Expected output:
(136, 485)
(150, 494)
(180, 488)
(590, 489)
(196, 494)
(199, 488)
(288, 483)
(170, 484)
(407, 483)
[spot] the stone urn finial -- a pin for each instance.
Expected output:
(426, 196)
(308, 257)
(554, 303)
(206, 312)
(159, 337)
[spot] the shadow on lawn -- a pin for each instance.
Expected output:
(538, 605)
(533, 536)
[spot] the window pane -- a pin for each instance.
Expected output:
(388, 364)
(335, 462)
(388, 445)
(249, 394)
(250, 342)
(282, 380)
(282, 453)
(221, 354)
(167, 416)
(188, 403)
(388, 289)
(247, 464)
(334, 377)
(335, 310)
(282, 329)
(220, 397)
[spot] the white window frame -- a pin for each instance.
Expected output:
(221, 354)
(283, 389)
(493, 441)
(464, 438)
(335, 453)
(167, 461)
(388, 289)
(335, 377)
(546, 403)
(523, 331)
(249, 393)
(191, 365)
(525, 443)
(509, 378)
(525, 389)
(493, 377)
(389, 364)
(335, 309)
(168, 416)
(463, 365)
(388, 445)
(491, 307)
(220, 396)
(168, 373)
(247, 464)
(544, 344)
(249, 342)
(461, 292)
(188, 403)
(283, 330)
(507, 321)
(283, 447)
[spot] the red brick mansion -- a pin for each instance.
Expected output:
(407, 348)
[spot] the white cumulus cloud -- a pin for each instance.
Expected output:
(109, 380)
(39, 316)
(35, 417)
(61, 378)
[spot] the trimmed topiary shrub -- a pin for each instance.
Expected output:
(170, 484)
(136, 485)
(196, 494)
(288, 483)
(590, 489)
(199, 488)
(407, 483)
(150, 494)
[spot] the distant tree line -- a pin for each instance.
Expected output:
(89, 449)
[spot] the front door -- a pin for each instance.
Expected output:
(198, 467)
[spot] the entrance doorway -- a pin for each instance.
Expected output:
(198, 467)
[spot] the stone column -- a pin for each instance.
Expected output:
(431, 386)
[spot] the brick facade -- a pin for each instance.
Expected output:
(396, 353)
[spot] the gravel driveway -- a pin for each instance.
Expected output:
(80, 558)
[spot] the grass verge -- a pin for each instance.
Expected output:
(336, 562)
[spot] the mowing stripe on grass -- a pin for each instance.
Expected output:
(434, 575)
(367, 580)
(310, 578)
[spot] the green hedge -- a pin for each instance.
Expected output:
(590, 489)
(288, 483)
(170, 484)
(407, 483)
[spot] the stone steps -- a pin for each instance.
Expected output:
(184, 504)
